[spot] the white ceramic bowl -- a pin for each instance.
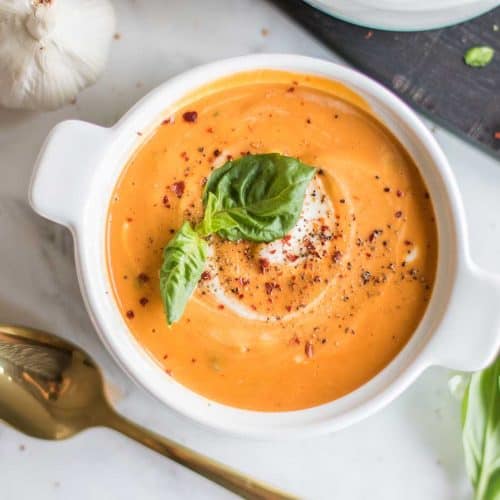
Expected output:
(405, 15)
(76, 173)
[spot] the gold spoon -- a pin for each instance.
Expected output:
(51, 389)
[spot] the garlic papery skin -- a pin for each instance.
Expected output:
(51, 49)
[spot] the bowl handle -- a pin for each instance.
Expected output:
(64, 168)
(469, 337)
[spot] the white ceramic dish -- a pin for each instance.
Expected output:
(405, 15)
(73, 180)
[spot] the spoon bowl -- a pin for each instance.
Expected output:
(51, 389)
(48, 387)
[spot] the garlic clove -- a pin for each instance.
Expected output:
(51, 49)
(41, 21)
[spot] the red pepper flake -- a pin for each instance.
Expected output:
(288, 308)
(210, 130)
(221, 306)
(190, 116)
(368, 35)
(337, 256)
(243, 281)
(291, 257)
(129, 219)
(205, 276)
(204, 181)
(143, 301)
(142, 278)
(496, 135)
(399, 193)
(240, 296)
(387, 189)
(165, 356)
(166, 202)
(294, 340)
(254, 308)
(168, 372)
(309, 349)
(130, 314)
(324, 229)
(374, 235)
(398, 214)
(184, 156)
(290, 89)
(270, 286)
(167, 121)
(408, 243)
(272, 252)
(311, 248)
(217, 152)
(178, 188)
(263, 264)
(286, 239)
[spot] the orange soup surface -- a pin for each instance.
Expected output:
(303, 320)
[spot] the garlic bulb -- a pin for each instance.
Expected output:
(51, 49)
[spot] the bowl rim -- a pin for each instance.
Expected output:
(409, 19)
(142, 368)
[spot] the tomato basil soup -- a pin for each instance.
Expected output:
(305, 319)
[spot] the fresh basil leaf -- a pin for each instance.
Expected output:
(477, 57)
(183, 263)
(481, 432)
(262, 193)
(214, 219)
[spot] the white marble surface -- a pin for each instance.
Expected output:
(410, 450)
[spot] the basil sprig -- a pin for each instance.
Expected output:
(183, 262)
(481, 432)
(256, 198)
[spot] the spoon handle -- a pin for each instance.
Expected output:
(219, 473)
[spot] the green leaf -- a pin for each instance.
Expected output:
(214, 220)
(481, 432)
(263, 194)
(477, 57)
(183, 262)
